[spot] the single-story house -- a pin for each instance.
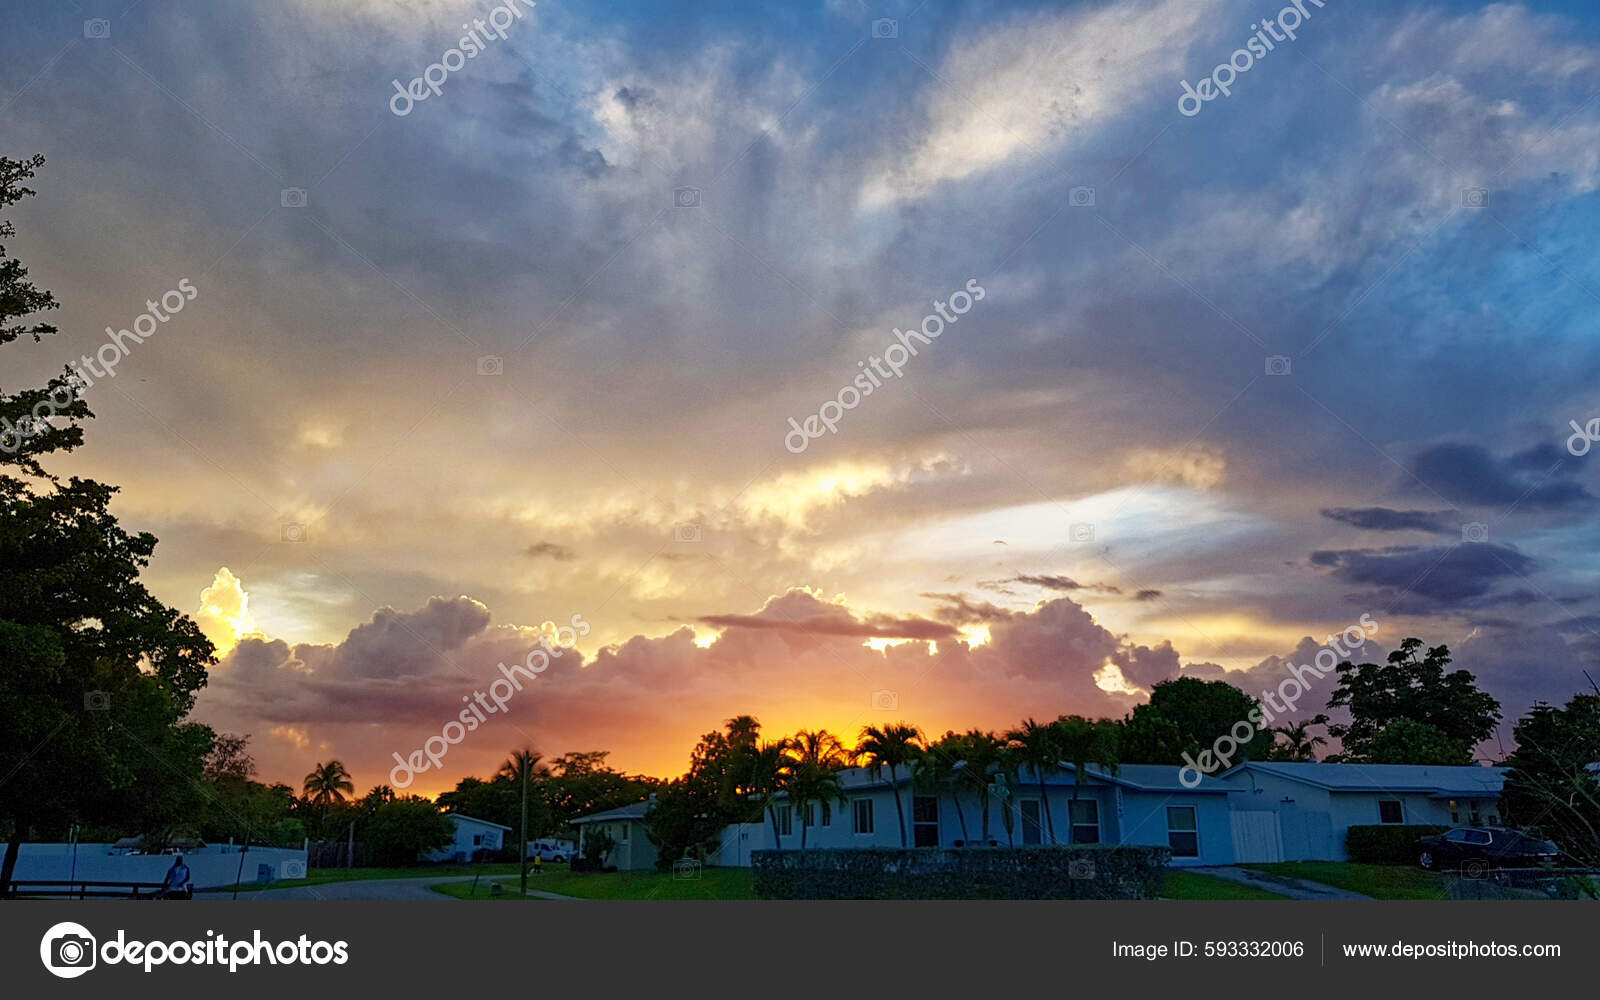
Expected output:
(1302, 811)
(631, 849)
(474, 838)
(1143, 804)
(1255, 812)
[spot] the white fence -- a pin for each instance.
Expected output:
(211, 866)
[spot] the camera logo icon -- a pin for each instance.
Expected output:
(885, 701)
(68, 950)
(1082, 531)
(97, 27)
(1475, 197)
(1081, 197)
(96, 701)
(885, 27)
(292, 531)
(1080, 868)
(685, 532)
(491, 365)
(292, 198)
(686, 869)
(1474, 531)
(1279, 364)
(686, 197)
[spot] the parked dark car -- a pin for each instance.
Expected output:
(1477, 849)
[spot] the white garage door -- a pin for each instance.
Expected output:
(1256, 837)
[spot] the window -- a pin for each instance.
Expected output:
(863, 815)
(1391, 811)
(1030, 821)
(785, 821)
(811, 814)
(622, 832)
(1183, 833)
(477, 839)
(925, 820)
(1085, 815)
(1479, 837)
(1456, 836)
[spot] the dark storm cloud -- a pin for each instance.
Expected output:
(1441, 575)
(1537, 478)
(1388, 519)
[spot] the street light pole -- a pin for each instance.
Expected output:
(522, 852)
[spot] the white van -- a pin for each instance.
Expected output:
(551, 849)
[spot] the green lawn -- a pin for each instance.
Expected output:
(322, 876)
(1377, 881)
(1194, 885)
(713, 883)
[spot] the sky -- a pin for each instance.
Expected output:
(583, 333)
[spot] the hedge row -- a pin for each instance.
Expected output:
(1076, 872)
(1387, 845)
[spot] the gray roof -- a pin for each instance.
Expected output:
(1433, 779)
(633, 810)
(474, 819)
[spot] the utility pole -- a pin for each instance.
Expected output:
(522, 853)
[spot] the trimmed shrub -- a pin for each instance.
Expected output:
(1387, 845)
(1075, 872)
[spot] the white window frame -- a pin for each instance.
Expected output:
(785, 821)
(1073, 824)
(1399, 822)
(1193, 811)
(855, 817)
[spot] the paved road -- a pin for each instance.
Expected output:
(407, 889)
(1294, 888)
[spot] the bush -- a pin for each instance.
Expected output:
(1387, 845)
(404, 830)
(1077, 872)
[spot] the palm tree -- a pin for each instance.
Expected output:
(769, 767)
(1036, 746)
(743, 730)
(1083, 742)
(1302, 745)
(523, 763)
(980, 757)
(1007, 772)
(941, 769)
(893, 747)
(820, 747)
(520, 767)
(327, 783)
(809, 783)
(325, 786)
